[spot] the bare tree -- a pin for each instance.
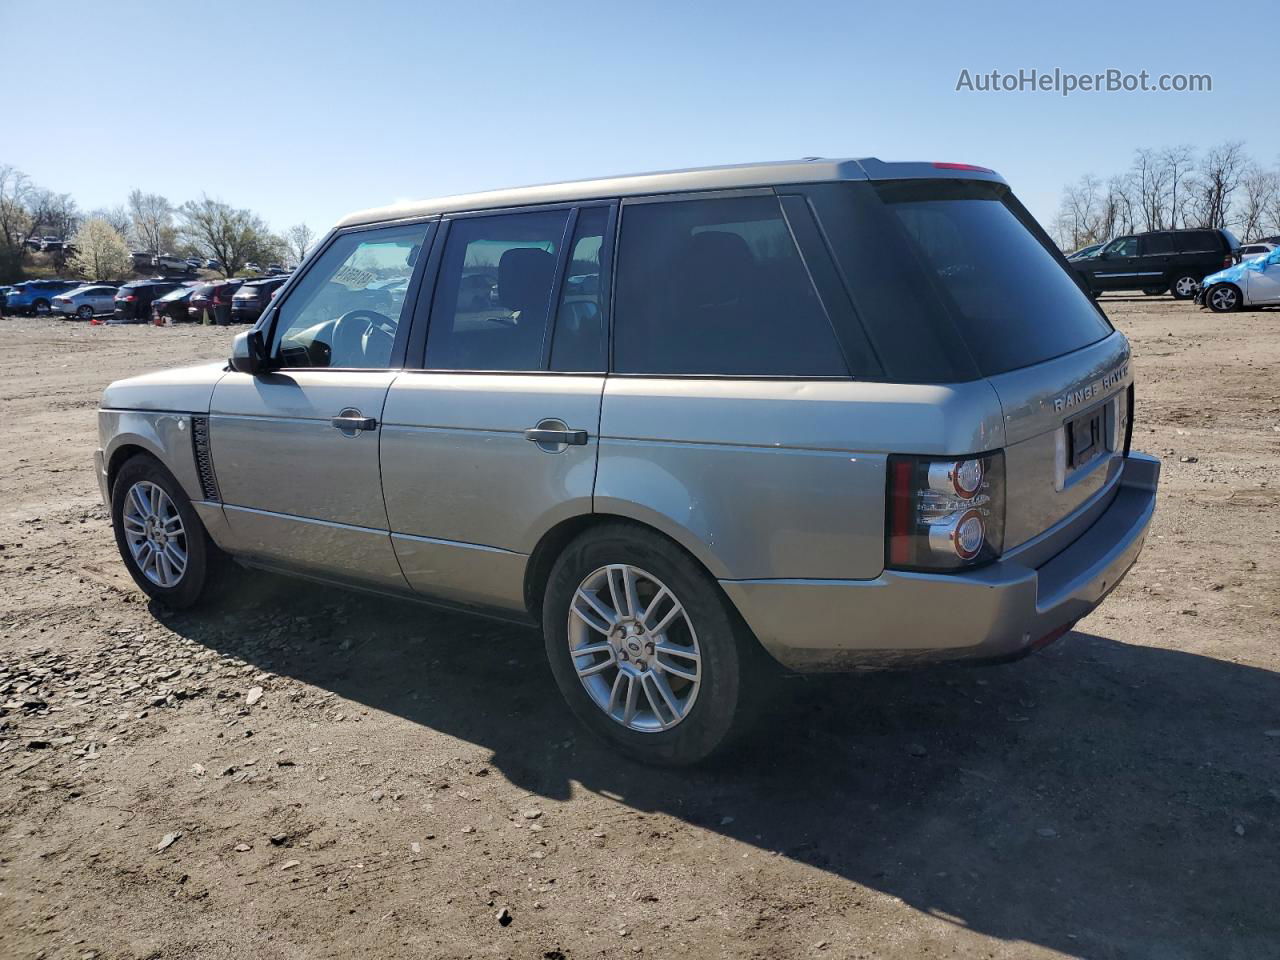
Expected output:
(118, 216)
(1151, 179)
(1079, 213)
(231, 236)
(152, 217)
(1178, 162)
(1217, 178)
(299, 239)
(1119, 216)
(1259, 189)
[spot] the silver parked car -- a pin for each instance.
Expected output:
(825, 415)
(87, 302)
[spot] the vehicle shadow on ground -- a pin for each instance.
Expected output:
(1100, 798)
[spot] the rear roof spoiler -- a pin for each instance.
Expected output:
(922, 170)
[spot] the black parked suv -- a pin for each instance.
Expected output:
(133, 300)
(252, 298)
(1173, 260)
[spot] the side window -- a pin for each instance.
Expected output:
(1199, 241)
(578, 343)
(717, 287)
(493, 293)
(1124, 247)
(1157, 245)
(346, 309)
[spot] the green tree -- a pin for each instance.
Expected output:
(101, 253)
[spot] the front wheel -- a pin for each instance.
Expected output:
(1184, 286)
(1223, 298)
(161, 540)
(645, 647)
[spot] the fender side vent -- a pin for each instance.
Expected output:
(204, 460)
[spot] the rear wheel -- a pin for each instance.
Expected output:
(161, 540)
(1184, 286)
(1224, 298)
(40, 307)
(85, 312)
(645, 647)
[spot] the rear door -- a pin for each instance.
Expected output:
(1156, 252)
(493, 440)
(296, 450)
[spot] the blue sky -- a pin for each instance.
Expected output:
(306, 111)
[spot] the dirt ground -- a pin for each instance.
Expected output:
(407, 775)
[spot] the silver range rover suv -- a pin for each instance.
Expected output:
(824, 414)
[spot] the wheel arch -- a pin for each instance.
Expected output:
(553, 542)
(164, 436)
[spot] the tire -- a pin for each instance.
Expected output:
(85, 312)
(144, 473)
(40, 307)
(711, 701)
(1183, 286)
(1224, 298)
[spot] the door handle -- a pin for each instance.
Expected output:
(349, 421)
(575, 438)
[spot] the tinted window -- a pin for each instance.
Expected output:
(1124, 247)
(717, 287)
(345, 311)
(1156, 245)
(579, 337)
(1199, 241)
(1012, 300)
(493, 293)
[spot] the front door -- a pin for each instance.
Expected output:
(296, 450)
(494, 441)
(1116, 268)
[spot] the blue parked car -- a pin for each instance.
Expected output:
(36, 296)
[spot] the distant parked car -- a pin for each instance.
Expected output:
(1261, 248)
(1173, 260)
(214, 297)
(86, 302)
(36, 296)
(4, 293)
(212, 264)
(253, 266)
(133, 300)
(173, 305)
(252, 298)
(1251, 283)
(171, 264)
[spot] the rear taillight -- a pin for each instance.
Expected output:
(944, 513)
(1228, 260)
(129, 299)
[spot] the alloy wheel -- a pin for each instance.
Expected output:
(1223, 299)
(1185, 286)
(154, 532)
(634, 648)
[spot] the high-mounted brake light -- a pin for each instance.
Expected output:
(944, 513)
(972, 168)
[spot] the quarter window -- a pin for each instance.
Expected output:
(717, 287)
(345, 311)
(493, 296)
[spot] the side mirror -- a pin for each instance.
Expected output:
(249, 353)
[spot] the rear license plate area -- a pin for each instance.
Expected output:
(1086, 437)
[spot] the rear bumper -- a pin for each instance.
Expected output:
(996, 612)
